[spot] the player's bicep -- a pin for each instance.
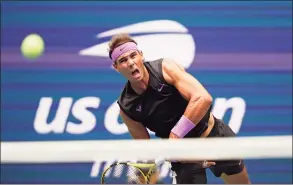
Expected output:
(136, 129)
(190, 87)
(187, 85)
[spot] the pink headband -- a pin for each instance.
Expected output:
(123, 49)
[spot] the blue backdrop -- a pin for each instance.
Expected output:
(240, 51)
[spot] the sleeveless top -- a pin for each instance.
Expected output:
(160, 106)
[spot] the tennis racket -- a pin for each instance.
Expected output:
(130, 173)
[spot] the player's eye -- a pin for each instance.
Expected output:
(133, 55)
(122, 60)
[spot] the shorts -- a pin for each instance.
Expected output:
(194, 173)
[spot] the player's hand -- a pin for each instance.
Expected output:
(173, 136)
(207, 164)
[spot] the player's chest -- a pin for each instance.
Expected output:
(154, 103)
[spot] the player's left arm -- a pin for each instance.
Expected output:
(199, 99)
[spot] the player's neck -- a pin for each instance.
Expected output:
(140, 86)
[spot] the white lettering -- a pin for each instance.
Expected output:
(111, 120)
(97, 168)
(59, 122)
(238, 107)
(57, 125)
(87, 118)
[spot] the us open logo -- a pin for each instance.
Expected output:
(157, 39)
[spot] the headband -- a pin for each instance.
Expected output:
(123, 49)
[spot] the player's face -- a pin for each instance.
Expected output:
(130, 65)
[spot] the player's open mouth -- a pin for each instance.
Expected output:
(135, 73)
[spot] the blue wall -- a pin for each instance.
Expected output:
(243, 50)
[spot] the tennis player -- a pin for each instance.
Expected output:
(161, 96)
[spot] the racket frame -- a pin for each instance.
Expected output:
(138, 166)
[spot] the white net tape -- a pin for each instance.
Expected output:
(190, 149)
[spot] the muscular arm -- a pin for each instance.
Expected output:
(190, 88)
(136, 129)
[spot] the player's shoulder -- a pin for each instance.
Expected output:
(152, 63)
(169, 66)
(162, 63)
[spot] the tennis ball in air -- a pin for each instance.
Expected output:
(32, 46)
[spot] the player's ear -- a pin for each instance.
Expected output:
(141, 53)
(114, 66)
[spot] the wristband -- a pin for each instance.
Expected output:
(183, 126)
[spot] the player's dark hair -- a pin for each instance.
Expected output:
(118, 40)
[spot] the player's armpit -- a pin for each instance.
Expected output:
(136, 129)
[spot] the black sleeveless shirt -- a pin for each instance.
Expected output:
(160, 106)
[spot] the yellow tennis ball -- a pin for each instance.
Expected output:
(32, 46)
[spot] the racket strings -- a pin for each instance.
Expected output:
(123, 174)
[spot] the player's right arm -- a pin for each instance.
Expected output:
(136, 129)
